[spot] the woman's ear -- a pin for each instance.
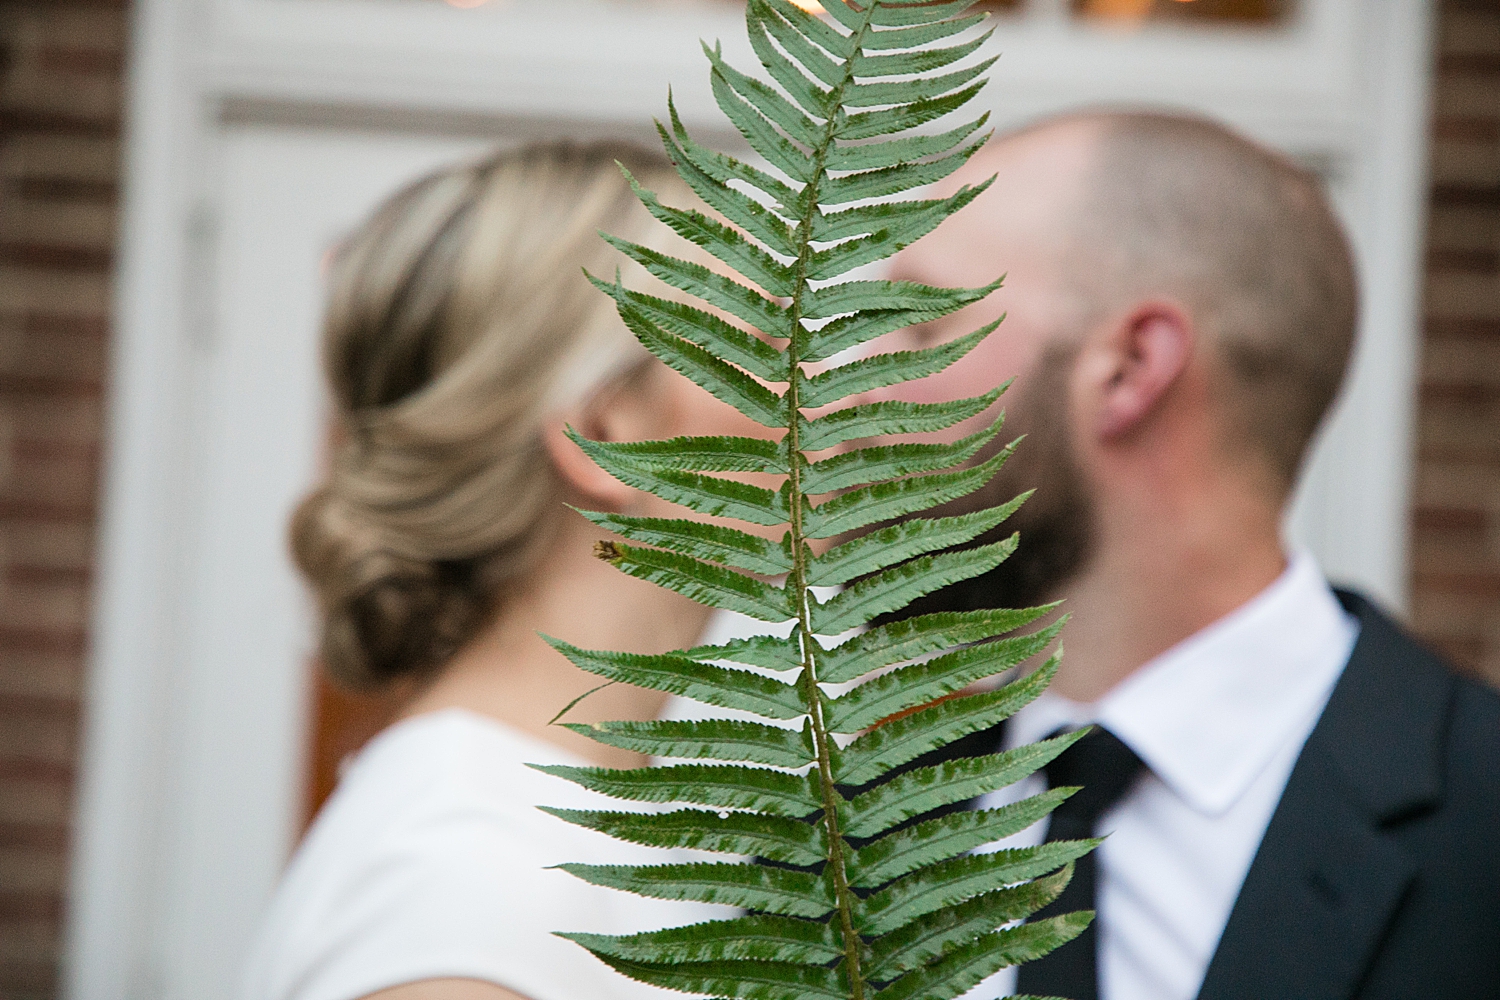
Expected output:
(1141, 359)
(597, 488)
(621, 412)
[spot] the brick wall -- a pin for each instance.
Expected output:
(60, 71)
(1456, 520)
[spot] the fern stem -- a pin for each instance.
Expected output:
(837, 862)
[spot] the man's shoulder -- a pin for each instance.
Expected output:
(1409, 728)
(1404, 665)
(1377, 877)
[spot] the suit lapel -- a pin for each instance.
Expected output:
(1329, 875)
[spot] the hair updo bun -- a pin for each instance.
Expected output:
(458, 320)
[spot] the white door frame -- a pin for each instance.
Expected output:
(1345, 87)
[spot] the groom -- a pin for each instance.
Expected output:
(1301, 802)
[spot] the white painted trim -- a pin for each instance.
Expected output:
(1346, 87)
(129, 731)
(1355, 496)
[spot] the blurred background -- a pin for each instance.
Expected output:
(172, 174)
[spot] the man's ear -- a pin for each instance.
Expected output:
(1142, 358)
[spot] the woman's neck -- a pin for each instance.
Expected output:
(508, 672)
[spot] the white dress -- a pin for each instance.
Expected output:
(431, 860)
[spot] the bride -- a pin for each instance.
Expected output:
(459, 340)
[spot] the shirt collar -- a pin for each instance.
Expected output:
(1209, 714)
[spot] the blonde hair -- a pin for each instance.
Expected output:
(458, 320)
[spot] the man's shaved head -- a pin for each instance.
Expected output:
(1096, 213)
(1246, 239)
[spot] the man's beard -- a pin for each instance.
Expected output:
(1056, 524)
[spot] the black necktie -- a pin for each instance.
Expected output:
(1105, 768)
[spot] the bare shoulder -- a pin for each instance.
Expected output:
(446, 989)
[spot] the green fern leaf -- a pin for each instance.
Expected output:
(907, 217)
(892, 461)
(914, 637)
(720, 378)
(939, 933)
(864, 95)
(873, 155)
(899, 542)
(704, 329)
(735, 689)
(914, 686)
(766, 651)
(921, 61)
(919, 35)
(884, 900)
(887, 121)
(758, 130)
(751, 887)
(724, 168)
(768, 102)
(957, 879)
(882, 370)
(702, 581)
(721, 241)
(736, 206)
(915, 793)
(839, 46)
(886, 501)
(900, 853)
(762, 936)
(887, 417)
(713, 542)
(784, 840)
(763, 23)
(700, 454)
(708, 494)
(750, 980)
(706, 739)
(914, 12)
(695, 279)
(907, 738)
(964, 968)
(718, 785)
(898, 586)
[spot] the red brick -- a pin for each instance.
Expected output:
(36, 673)
(61, 608)
(31, 869)
(1469, 62)
(1474, 261)
(26, 639)
(28, 354)
(59, 480)
(1466, 129)
(1437, 519)
(1455, 542)
(38, 738)
(41, 801)
(1461, 329)
(48, 420)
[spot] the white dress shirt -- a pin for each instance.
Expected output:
(1219, 721)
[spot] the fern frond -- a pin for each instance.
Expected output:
(860, 878)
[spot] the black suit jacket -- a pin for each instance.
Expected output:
(1379, 875)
